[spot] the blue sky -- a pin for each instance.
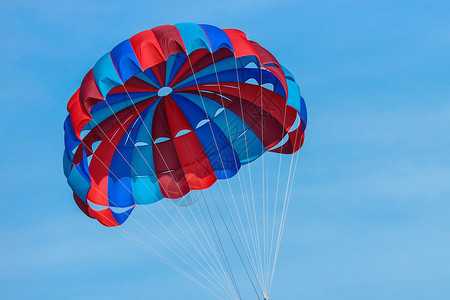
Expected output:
(369, 213)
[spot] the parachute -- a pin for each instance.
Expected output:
(168, 116)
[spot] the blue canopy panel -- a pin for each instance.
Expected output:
(217, 38)
(71, 143)
(125, 61)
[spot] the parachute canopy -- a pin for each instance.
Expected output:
(174, 109)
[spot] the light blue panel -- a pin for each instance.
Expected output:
(79, 184)
(287, 74)
(144, 182)
(293, 90)
(146, 190)
(105, 75)
(293, 95)
(193, 36)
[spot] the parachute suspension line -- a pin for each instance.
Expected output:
(255, 222)
(245, 198)
(240, 257)
(223, 166)
(161, 257)
(288, 197)
(276, 199)
(186, 145)
(264, 205)
(189, 207)
(267, 232)
(215, 254)
(256, 231)
(180, 227)
(233, 221)
(240, 239)
(190, 263)
(234, 244)
(223, 253)
(206, 252)
(217, 244)
(193, 244)
(289, 186)
(284, 211)
(251, 259)
(213, 270)
(265, 195)
(282, 223)
(215, 229)
(275, 213)
(200, 255)
(143, 227)
(223, 220)
(188, 225)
